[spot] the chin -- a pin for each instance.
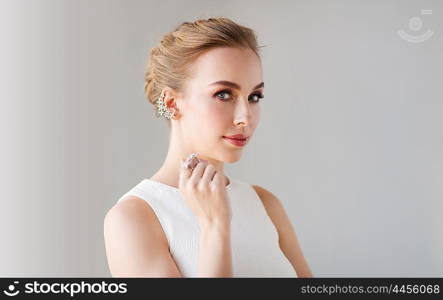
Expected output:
(233, 157)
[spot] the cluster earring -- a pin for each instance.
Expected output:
(162, 109)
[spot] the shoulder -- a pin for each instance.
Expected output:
(288, 240)
(135, 243)
(127, 208)
(263, 193)
(272, 204)
(274, 208)
(132, 215)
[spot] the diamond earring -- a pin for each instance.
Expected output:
(162, 109)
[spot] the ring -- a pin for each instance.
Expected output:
(192, 161)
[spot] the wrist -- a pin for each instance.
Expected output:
(216, 225)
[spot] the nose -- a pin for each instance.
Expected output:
(242, 114)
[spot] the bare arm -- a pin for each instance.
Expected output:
(135, 242)
(136, 245)
(288, 241)
(204, 190)
(215, 259)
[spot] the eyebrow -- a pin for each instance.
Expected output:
(236, 86)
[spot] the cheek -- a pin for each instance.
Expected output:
(208, 116)
(219, 112)
(255, 115)
(214, 112)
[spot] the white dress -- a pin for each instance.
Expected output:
(254, 239)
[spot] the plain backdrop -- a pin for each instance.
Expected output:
(350, 137)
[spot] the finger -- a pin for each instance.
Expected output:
(217, 180)
(198, 172)
(208, 174)
(191, 162)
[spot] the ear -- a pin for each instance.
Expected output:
(172, 99)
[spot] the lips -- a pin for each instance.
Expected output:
(237, 137)
(236, 140)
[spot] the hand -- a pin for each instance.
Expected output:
(203, 188)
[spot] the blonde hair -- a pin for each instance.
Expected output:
(169, 61)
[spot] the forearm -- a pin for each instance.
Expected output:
(215, 254)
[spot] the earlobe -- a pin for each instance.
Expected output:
(176, 114)
(172, 101)
(171, 105)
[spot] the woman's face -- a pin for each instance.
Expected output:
(212, 110)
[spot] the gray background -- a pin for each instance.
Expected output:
(350, 137)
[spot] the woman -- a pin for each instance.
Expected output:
(189, 219)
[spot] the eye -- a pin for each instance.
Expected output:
(223, 92)
(258, 97)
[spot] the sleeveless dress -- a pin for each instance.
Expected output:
(254, 238)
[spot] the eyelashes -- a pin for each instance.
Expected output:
(258, 95)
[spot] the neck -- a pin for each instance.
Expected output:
(169, 171)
